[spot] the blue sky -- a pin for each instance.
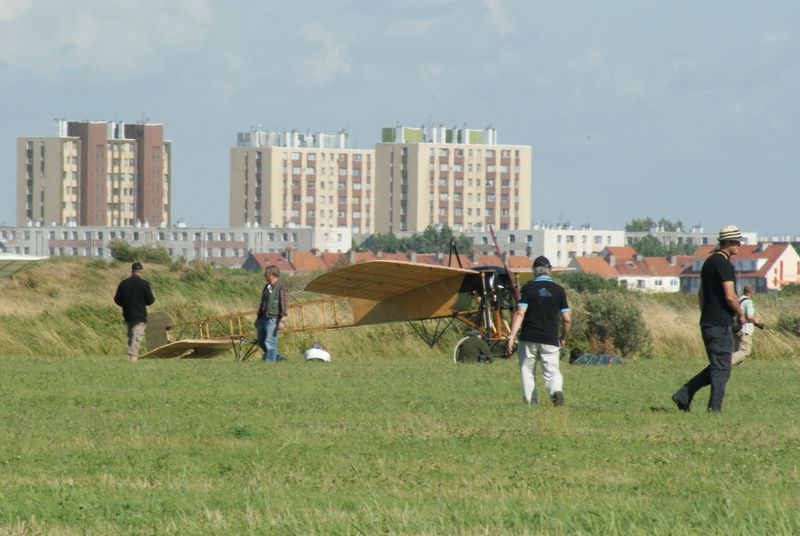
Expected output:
(685, 110)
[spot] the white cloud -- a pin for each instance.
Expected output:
(11, 9)
(777, 38)
(327, 58)
(498, 16)
(105, 38)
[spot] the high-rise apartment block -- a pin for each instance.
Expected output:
(289, 179)
(95, 173)
(459, 177)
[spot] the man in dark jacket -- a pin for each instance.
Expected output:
(474, 349)
(271, 315)
(719, 307)
(134, 295)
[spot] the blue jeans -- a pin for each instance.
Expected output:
(267, 338)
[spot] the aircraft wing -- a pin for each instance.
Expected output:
(192, 347)
(390, 291)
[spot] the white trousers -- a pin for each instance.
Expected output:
(529, 353)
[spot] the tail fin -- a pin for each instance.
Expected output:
(158, 330)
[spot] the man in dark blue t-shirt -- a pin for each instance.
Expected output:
(542, 304)
(719, 305)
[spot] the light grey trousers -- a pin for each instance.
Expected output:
(135, 335)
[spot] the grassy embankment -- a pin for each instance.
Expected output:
(404, 444)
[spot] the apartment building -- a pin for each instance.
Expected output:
(460, 177)
(95, 173)
(289, 179)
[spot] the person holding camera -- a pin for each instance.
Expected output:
(744, 336)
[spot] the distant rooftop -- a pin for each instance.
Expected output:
(291, 138)
(439, 134)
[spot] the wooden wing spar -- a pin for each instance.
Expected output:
(391, 291)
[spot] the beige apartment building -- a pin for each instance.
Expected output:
(95, 173)
(288, 179)
(458, 177)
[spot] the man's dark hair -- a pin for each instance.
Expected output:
(575, 354)
(136, 266)
(272, 270)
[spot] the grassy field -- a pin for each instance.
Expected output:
(403, 445)
(389, 438)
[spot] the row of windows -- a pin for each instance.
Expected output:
(570, 239)
(444, 152)
(341, 157)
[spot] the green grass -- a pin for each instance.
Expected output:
(402, 445)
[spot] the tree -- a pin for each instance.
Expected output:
(644, 225)
(434, 239)
(637, 225)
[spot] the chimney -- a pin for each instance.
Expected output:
(289, 255)
(672, 260)
(351, 256)
(612, 260)
(639, 257)
(412, 255)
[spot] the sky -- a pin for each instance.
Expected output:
(681, 109)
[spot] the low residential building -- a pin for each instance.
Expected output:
(219, 245)
(563, 243)
(695, 237)
(765, 266)
(642, 274)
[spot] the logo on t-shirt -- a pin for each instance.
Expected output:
(544, 293)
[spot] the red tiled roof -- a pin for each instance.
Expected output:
(363, 256)
(331, 259)
(621, 251)
(265, 259)
(306, 261)
(594, 265)
(488, 260)
(394, 257)
(659, 266)
(429, 258)
(518, 261)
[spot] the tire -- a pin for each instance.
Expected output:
(457, 350)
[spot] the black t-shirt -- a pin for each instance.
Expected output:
(715, 271)
(546, 301)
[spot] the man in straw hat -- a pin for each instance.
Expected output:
(719, 305)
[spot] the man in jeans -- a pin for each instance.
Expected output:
(271, 313)
(134, 295)
(719, 305)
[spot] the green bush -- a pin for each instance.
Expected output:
(121, 250)
(613, 320)
(583, 282)
(789, 324)
(124, 252)
(790, 290)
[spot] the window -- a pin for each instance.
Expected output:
(295, 156)
(342, 171)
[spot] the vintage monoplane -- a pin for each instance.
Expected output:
(430, 297)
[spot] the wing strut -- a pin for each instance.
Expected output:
(441, 325)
